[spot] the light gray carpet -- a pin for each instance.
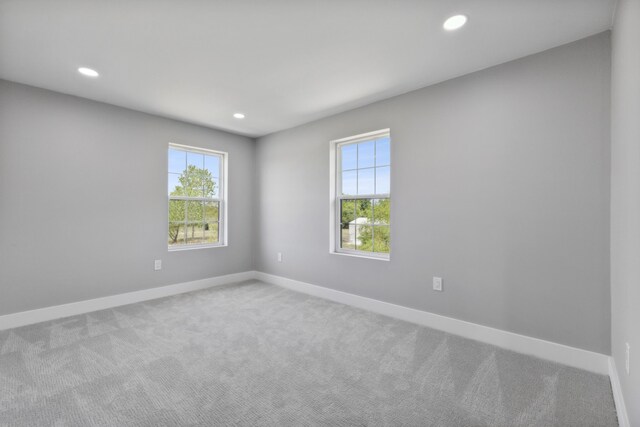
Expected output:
(256, 354)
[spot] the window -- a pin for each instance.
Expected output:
(196, 194)
(361, 195)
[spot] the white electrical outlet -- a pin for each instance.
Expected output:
(157, 265)
(279, 256)
(437, 283)
(627, 356)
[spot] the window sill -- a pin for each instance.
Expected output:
(355, 255)
(194, 247)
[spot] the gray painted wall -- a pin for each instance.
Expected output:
(83, 211)
(625, 200)
(500, 184)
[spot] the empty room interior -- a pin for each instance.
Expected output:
(320, 213)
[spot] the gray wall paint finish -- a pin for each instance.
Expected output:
(625, 201)
(83, 212)
(500, 184)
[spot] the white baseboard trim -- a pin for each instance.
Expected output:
(560, 353)
(23, 318)
(618, 398)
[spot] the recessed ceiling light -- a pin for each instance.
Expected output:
(238, 116)
(454, 22)
(88, 72)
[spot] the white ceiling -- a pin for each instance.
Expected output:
(281, 62)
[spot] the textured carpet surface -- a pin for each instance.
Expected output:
(256, 354)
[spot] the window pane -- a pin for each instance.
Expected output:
(383, 180)
(211, 232)
(348, 235)
(365, 181)
(349, 156)
(213, 190)
(195, 159)
(381, 211)
(196, 181)
(366, 154)
(195, 233)
(383, 151)
(194, 188)
(177, 210)
(381, 239)
(212, 164)
(347, 211)
(177, 161)
(175, 188)
(365, 211)
(364, 238)
(350, 182)
(211, 212)
(209, 184)
(195, 211)
(176, 233)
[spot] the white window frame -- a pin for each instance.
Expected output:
(222, 199)
(335, 196)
